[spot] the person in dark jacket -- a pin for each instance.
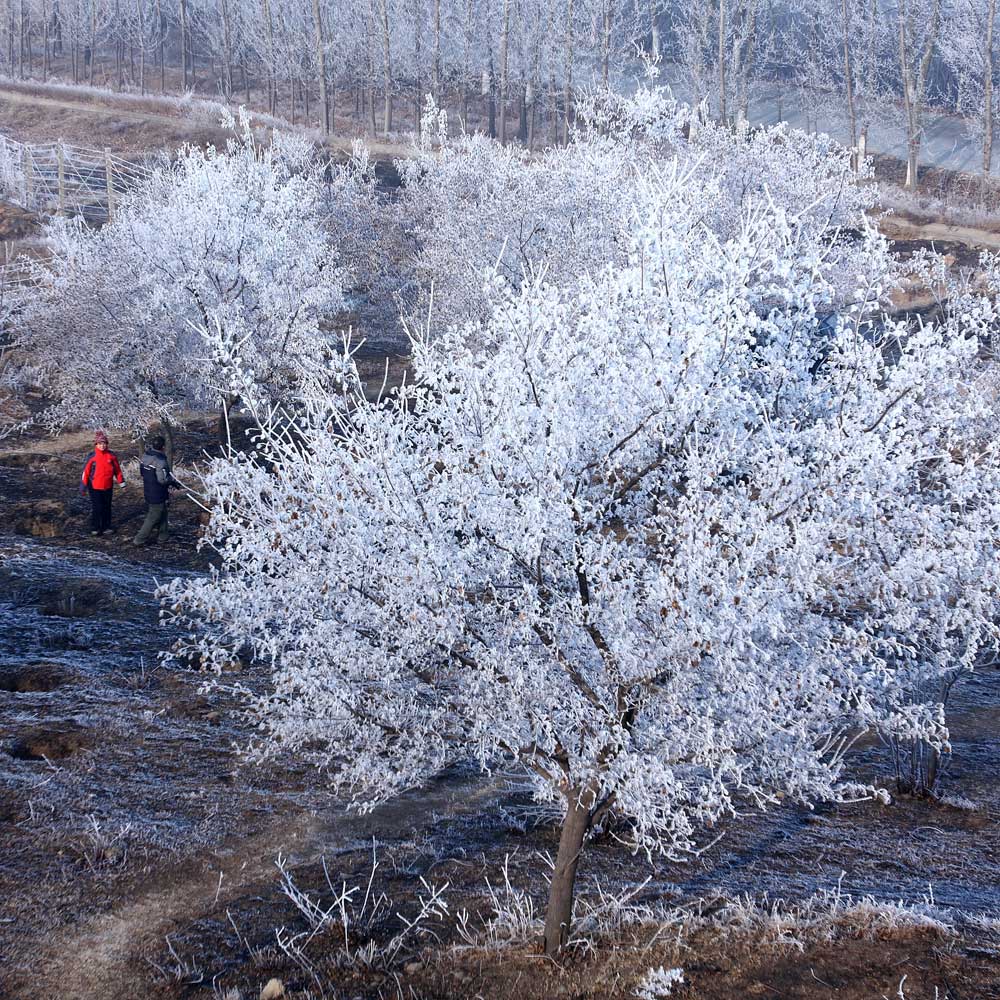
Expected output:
(157, 481)
(99, 476)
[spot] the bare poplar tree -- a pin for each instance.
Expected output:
(917, 23)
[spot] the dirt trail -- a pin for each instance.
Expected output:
(116, 111)
(151, 128)
(900, 228)
(108, 957)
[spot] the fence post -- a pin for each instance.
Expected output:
(28, 168)
(60, 161)
(109, 178)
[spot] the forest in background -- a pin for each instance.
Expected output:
(516, 68)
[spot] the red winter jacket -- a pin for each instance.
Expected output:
(101, 470)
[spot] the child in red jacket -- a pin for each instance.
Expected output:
(99, 476)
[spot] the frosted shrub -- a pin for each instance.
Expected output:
(354, 918)
(659, 983)
(512, 917)
(223, 262)
(829, 915)
(470, 205)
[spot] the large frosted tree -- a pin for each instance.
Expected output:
(665, 536)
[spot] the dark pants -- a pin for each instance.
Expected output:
(156, 519)
(100, 509)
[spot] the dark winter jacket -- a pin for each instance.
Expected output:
(101, 471)
(156, 476)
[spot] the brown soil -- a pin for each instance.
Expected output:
(17, 223)
(50, 743)
(32, 678)
(903, 228)
(29, 114)
(726, 968)
(128, 125)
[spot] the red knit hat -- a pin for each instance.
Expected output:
(100, 437)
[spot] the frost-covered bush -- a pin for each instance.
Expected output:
(226, 260)
(471, 205)
(663, 537)
(657, 984)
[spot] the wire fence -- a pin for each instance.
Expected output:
(57, 178)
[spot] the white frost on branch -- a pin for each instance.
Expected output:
(470, 205)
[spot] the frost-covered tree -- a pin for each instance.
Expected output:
(469, 205)
(969, 49)
(719, 47)
(668, 537)
(918, 26)
(224, 260)
(847, 48)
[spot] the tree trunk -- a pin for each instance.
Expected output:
(530, 139)
(559, 912)
(184, 44)
(915, 90)
(194, 65)
(370, 55)
(569, 69)
(93, 43)
(911, 126)
(386, 66)
(160, 39)
(849, 82)
(321, 65)
(988, 91)
(269, 28)
(608, 19)
(142, 46)
(227, 53)
(418, 80)
(553, 109)
(504, 33)
(45, 42)
(168, 437)
(437, 51)
(723, 111)
(490, 92)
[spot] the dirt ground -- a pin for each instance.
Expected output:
(135, 127)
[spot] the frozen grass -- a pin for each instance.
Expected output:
(510, 918)
(198, 111)
(128, 98)
(959, 802)
(177, 970)
(830, 915)
(961, 204)
(102, 847)
(356, 927)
